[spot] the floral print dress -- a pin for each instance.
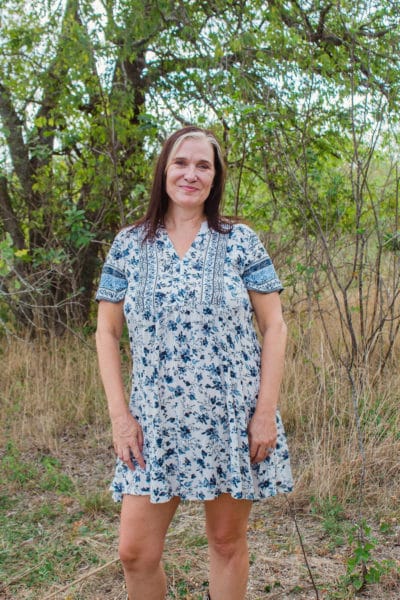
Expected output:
(196, 363)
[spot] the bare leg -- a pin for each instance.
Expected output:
(142, 535)
(227, 520)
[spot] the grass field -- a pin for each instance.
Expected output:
(59, 527)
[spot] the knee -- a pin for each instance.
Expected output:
(139, 557)
(227, 545)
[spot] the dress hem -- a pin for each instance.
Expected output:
(117, 496)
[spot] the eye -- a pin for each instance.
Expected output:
(204, 166)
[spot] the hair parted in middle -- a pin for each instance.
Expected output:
(158, 205)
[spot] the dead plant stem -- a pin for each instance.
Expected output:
(82, 578)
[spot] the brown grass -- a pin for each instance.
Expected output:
(52, 403)
(341, 437)
(50, 388)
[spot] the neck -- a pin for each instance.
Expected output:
(177, 219)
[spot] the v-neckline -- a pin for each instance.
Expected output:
(202, 229)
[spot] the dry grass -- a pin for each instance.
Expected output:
(52, 387)
(53, 408)
(343, 437)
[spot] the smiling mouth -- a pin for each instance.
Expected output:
(188, 188)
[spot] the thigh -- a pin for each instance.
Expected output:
(143, 524)
(227, 518)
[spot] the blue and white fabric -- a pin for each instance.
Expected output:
(196, 363)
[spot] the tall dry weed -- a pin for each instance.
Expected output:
(51, 388)
(342, 445)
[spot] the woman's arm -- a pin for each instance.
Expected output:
(262, 427)
(127, 433)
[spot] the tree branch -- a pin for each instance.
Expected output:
(18, 148)
(7, 214)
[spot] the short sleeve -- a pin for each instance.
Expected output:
(113, 281)
(259, 272)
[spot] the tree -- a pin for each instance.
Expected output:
(88, 91)
(75, 141)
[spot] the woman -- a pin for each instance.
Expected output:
(202, 422)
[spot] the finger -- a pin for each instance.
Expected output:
(125, 455)
(257, 454)
(253, 451)
(140, 439)
(136, 451)
(130, 462)
(262, 453)
(128, 455)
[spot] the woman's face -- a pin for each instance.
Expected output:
(190, 173)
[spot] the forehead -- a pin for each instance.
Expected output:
(200, 148)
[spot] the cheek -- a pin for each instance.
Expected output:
(211, 182)
(169, 180)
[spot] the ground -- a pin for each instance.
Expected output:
(59, 536)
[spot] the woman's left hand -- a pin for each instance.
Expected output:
(262, 433)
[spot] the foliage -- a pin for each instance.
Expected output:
(88, 90)
(362, 568)
(305, 98)
(334, 519)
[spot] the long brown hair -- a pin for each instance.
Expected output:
(158, 205)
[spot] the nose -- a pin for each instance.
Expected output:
(190, 173)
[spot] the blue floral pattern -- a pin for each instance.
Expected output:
(196, 363)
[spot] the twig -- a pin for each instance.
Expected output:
(82, 578)
(293, 515)
(19, 576)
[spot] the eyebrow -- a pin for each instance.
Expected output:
(201, 160)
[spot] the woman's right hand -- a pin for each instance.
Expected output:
(128, 440)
